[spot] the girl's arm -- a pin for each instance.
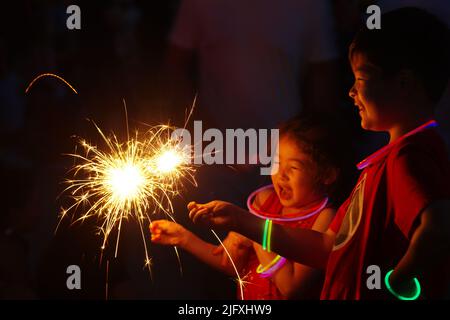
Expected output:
(170, 233)
(295, 280)
(204, 251)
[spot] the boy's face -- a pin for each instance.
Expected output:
(295, 181)
(374, 95)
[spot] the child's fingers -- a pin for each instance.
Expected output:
(199, 210)
(155, 234)
(194, 205)
(161, 226)
(196, 210)
(200, 215)
(225, 259)
(217, 250)
(155, 238)
(203, 211)
(191, 205)
(156, 225)
(192, 212)
(193, 215)
(155, 231)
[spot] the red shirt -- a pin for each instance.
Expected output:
(375, 224)
(256, 287)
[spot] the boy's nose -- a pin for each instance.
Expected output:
(352, 92)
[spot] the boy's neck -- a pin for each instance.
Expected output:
(408, 123)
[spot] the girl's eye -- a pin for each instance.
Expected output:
(294, 168)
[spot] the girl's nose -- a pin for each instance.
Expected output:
(283, 174)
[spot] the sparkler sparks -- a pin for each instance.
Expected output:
(132, 179)
(129, 179)
(167, 161)
(49, 75)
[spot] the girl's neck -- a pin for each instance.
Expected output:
(305, 208)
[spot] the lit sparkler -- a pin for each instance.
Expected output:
(129, 179)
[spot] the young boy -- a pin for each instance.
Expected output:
(398, 215)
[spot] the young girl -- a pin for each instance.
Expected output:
(303, 179)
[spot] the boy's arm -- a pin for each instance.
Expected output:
(295, 280)
(429, 247)
(311, 248)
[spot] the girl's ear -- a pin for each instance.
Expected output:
(331, 176)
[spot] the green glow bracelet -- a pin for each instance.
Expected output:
(267, 235)
(399, 296)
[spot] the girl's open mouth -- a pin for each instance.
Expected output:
(285, 193)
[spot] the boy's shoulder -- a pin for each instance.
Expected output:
(422, 157)
(426, 144)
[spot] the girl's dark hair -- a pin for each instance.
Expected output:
(326, 140)
(409, 38)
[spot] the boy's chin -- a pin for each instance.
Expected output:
(372, 128)
(368, 125)
(364, 125)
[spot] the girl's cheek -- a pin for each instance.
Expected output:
(273, 178)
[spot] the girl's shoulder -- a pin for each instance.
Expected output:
(262, 197)
(324, 219)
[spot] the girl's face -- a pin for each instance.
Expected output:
(295, 181)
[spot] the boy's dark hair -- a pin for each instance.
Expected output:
(326, 140)
(409, 38)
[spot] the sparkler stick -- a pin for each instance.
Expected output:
(240, 281)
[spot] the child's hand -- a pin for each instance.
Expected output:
(216, 213)
(169, 233)
(236, 245)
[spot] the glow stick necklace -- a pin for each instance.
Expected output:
(370, 159)
(301, 215)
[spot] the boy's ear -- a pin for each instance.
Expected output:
(407, 80)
